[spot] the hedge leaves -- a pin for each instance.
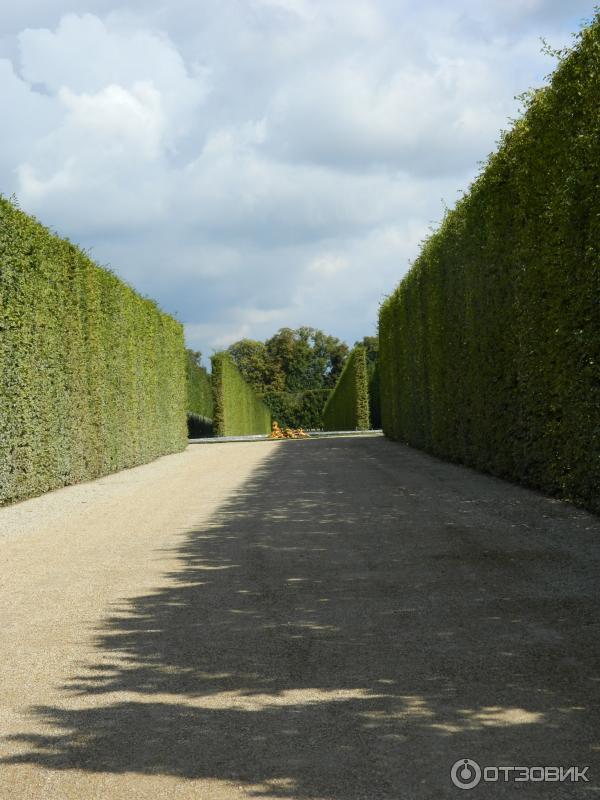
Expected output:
(238, 409)
(490, 347)
(347, 408)
(91, 374)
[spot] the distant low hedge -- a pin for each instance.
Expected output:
(91, 374)
(298, 409)
(348, 405)
(238, 409)
(490, 347)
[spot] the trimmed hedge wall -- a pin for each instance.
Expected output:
(200, 405)
(298, 409)
(490, 347)
(374, 395)
(238, 409)
(348, 405)
(91, 374)
(199, 388)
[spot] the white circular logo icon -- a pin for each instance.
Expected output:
(466, 773)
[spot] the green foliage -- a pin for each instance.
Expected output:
(238, 410)
(348, 405)
(200, 405)
(199, 386)
(293, 371)
(256, 365)
(490, 347)
(374, 394)
(290, 361)
(298, 409)
(91, 374)
(371, 345)
(308, 358)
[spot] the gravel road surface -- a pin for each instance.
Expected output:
(338, 618)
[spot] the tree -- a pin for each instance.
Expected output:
(291, 360)
(293, 370)
(257, 366)
(195, 356)
(309, 358)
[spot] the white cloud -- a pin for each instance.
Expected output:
(233, 189)
(121, 102)
(86, 55)
(122, 119)
(237, 323)
(300, 8)
(327, 265)
(421, 119)
(269, 163)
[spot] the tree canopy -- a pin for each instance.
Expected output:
(291, 360)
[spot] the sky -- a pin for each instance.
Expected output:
(255, 164)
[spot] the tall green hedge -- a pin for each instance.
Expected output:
(199, 387)
(490, 347)
(91, 374)
(200, 404)
(298, 409)
(348, 405)
(238, 409)
(374, 395)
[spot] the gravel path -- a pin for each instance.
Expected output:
(338, 618)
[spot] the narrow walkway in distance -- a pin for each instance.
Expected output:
(350, 618)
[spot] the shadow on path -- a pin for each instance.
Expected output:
(353, 620)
